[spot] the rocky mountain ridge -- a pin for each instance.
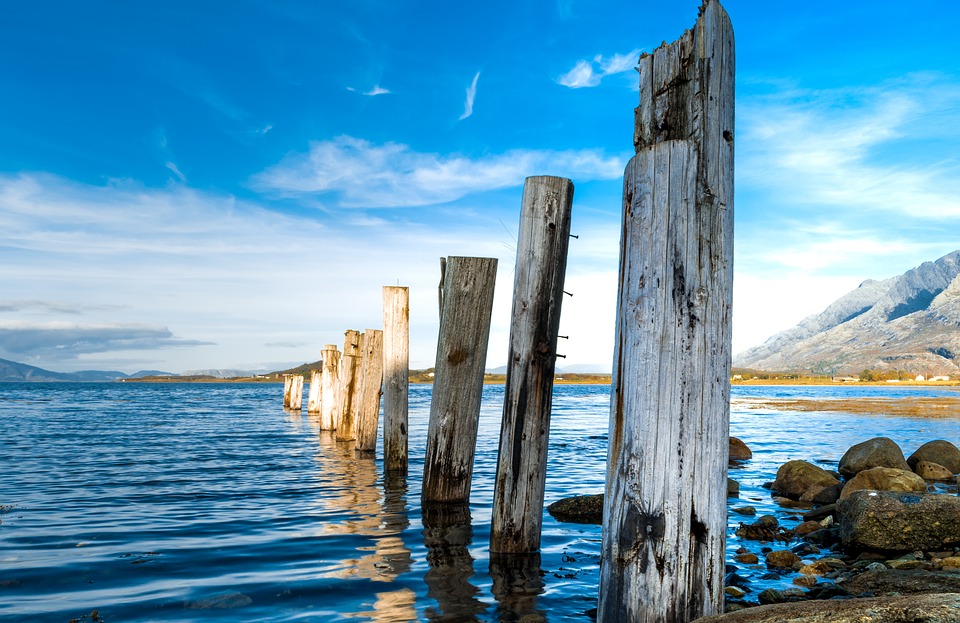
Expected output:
(910, 322)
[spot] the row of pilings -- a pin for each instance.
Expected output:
(664, 519)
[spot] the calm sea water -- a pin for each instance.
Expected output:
(191, 502)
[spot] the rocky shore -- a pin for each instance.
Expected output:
(877, 540)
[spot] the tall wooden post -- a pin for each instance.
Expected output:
(296, 392)
(458, 378)
(528, 395)
(350, 386)
(287, 384)
(330, 388)
(371, 374)
(313, 396)
(396, 377)
(665, 505)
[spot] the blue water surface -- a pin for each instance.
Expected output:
(197, 502)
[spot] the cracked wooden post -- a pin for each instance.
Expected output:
(296, 392)
(350, 386)
(396, 377)
(371, 382)
(458, 378)
(528, 394)
(665, 507)
(313, 396)
(330, 388)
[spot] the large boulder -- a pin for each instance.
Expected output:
(796, 479)
(897, 521)
(876, 452)
(904, 582)
(934, 608)
(884, 479)
(739, 451)
(941, 452)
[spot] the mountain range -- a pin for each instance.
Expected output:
(13, 371)
(910, 322)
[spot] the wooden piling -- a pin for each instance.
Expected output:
(528, 395)
(371, 374)
(665, 504)
(287, 384)
(396, 377)
(458, 378)
(350, 386)
(296, 392)
(313, 396)
(330, 388)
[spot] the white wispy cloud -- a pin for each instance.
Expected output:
(589, 73)
(471, 95)
(376, 90)
(176, 171)
(393, 175)
(880, 149)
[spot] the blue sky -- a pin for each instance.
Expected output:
(190, 185)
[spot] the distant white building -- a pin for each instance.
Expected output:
(940, 378)
(920, 377)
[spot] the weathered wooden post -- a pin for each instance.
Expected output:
(350, 386)
(287, 384)
(458, 378)
(330, 388)
(665, 506)
(528, 395)
(313, 396)
(396, 377)
(296, 392)
(371, 374)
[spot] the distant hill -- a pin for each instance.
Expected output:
(910, 322)
(13, 371)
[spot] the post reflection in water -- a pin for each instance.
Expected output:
(517, 582)
(447, 535)
(378, 513)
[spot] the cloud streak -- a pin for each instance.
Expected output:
(471, 96)
(589, 73)
(66, 340)
(365, 175)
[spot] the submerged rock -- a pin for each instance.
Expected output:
(895, 521)
(578, 509)
(739, 451)
(876, 452)
(941, 452)
(934, 608)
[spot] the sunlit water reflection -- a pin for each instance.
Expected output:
(186, 502)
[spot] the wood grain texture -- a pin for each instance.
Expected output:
(665, 504)
(350, 386)
(468, 287)
(542, 244)
(313, 396)
(396, 377)
(296, 392)
(371, 375)
(330, 388)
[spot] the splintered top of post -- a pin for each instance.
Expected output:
(681, 81)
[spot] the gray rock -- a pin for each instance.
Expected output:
(876, 452)
(939, 451)
(895, 521)
(934, 608)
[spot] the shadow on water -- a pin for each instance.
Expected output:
(447, 535)
(517, 583)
